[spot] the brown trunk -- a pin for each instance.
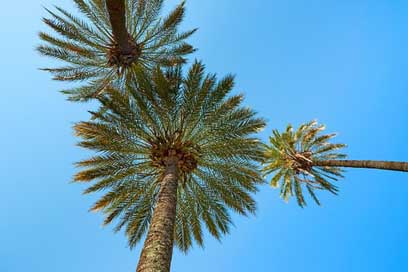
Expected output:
(158, 247)
(386, 165)
(117, 17)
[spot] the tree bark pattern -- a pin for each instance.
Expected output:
(385, 165)
(158, 247)
(117, 17)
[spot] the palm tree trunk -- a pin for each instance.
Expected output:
(386, 165)
(158, 247)
(117, 17)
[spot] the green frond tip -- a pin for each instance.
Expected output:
(192, 116)
(293, 159)
(89, 54)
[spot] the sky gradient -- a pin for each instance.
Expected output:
(342, 62)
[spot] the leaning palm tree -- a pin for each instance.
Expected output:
(111, 41)
(175, 154)
(305, 158)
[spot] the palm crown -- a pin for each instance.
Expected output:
(291, 158)
(190, 117)
(92, 54)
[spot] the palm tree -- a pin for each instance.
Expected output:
(106, 47)
(304, 157)
(175, 153)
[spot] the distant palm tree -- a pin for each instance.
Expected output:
(304, 157)
(175, 154)
(100, 49)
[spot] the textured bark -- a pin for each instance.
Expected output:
(117, 17)
(385, 165)
(158, 247)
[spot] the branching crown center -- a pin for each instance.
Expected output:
(185, 153)
(116, 57)
(301, 162)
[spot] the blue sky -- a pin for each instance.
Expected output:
(343, 62)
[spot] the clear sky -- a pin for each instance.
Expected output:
(341, 61)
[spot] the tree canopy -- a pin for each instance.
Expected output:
(91, 55)
(290, 157)
(195, 117)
